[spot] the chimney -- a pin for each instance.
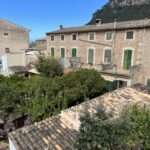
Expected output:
(98, 21)
(61, 27)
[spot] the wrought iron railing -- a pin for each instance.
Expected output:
(70, 62)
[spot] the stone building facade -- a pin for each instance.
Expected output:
(119, 50)
(39, 44)
(13, 38)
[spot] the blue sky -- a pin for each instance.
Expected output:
(42, 16)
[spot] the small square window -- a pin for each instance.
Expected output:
(129, 35)
(91, 36)
(74, 37)
(5, 34)
(109, 36)
(52, 37)
(62, 37)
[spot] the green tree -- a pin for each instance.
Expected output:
(41, 96)
(49, 67)
(48, 97)
(99, 132)
(11, 93)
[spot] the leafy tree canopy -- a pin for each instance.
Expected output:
(108, 13)
(49, 67)
(131, 130)
(41, 96)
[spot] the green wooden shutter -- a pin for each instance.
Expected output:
(127, 59)
(52, 52)
(148, 84)
(62, 52)
(107, 58)
(74, 52)
(90, 56)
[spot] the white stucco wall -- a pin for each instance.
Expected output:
(10, 60)
(11, 145)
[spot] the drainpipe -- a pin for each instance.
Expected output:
(113, 52)
(143, 46)
(114, 37)
(140, 64)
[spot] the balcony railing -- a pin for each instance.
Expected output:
(70, 62)
(76, 63)
(112, 69)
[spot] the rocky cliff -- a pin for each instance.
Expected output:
(123, 3)
(122, 10)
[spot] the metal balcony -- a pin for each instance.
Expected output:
(70, 62)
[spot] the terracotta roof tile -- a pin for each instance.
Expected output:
(60, 132)
(105, 26)
(5, 24)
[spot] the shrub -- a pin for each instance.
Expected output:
(49, 67)
(50, 96)
(131, 130)
(11, 93)
(40, 96)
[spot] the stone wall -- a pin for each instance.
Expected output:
(140, 46)
(15, 41)
(13, 38)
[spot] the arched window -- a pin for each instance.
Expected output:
(127, 62)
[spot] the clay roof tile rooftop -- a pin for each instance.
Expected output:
(60, 132)
(134, 24)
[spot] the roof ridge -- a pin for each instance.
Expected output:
(104, 26)
(58, 126)
(17, 25)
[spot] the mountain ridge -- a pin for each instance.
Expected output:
(122, 10)
(122, 3)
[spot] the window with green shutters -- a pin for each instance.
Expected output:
(108, 56)
(74, 52)
(90, 56)
(62, 52)
(52, 52)
(148, 85)
(127, 59)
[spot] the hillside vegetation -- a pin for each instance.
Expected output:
(109, 13)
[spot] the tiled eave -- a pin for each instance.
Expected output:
(60, 132)
(137, 24)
